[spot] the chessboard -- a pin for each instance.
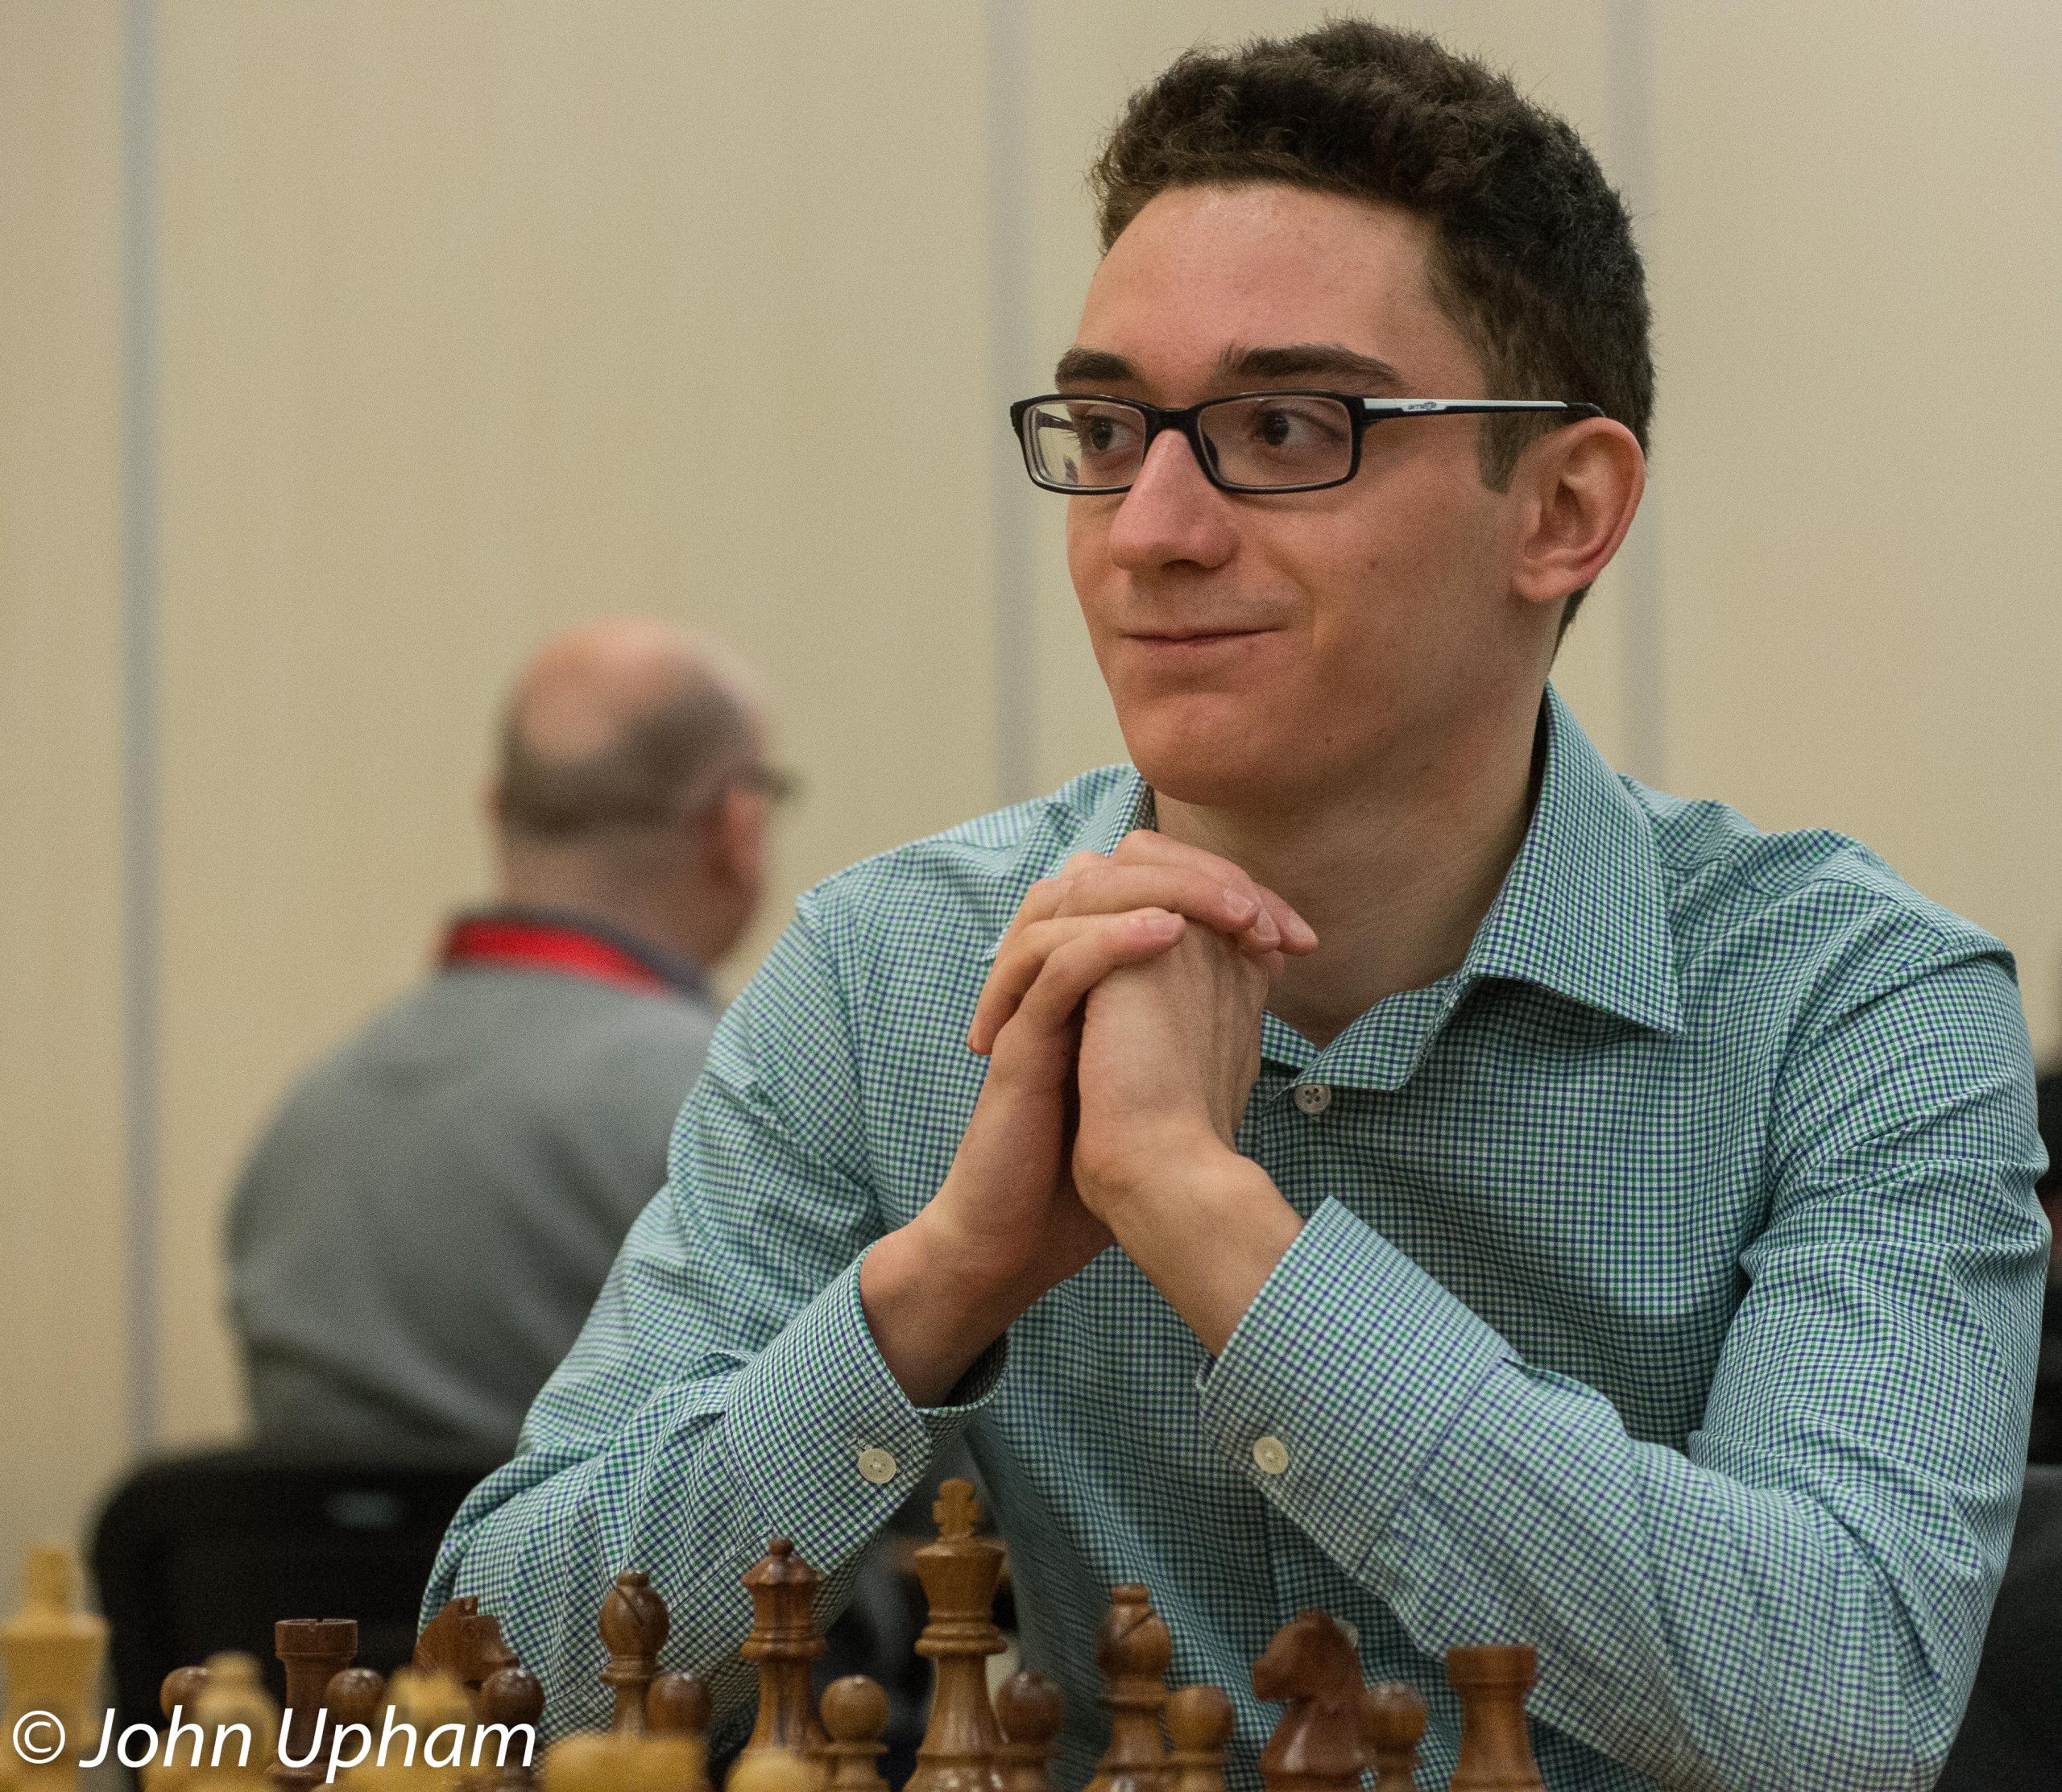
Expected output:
(466, 1715)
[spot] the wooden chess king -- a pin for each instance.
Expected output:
(467, 1688)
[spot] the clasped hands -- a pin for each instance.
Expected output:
(1121, 1022)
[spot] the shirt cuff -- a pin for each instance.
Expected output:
(819, 1434)
(1334, 1390)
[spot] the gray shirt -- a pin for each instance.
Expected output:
(422, 1229)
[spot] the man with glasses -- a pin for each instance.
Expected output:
(1363, 1154)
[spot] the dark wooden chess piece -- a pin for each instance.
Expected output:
(960, 1572)
(354, 1695)
(464, 1643)
(1029, 1709)
(634, 1625)
(1392, 1725)
(784, 1642)
(313, 1651)
(181, 1690)
(1132, 1648)
(512, 1695)
(855, 1713)
(1316, 1747)
(679, 1704)
(1496, 1748)
(1199, 1726)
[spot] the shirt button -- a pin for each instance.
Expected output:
(1314, 1098)
(1270, 1455)
(876, 1466)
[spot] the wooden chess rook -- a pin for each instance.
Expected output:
(1496, 1748)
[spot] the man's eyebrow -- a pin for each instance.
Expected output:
(1308, 361)
(1093, 367)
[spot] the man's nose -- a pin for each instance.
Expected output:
(1172, 513)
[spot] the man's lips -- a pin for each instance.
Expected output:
(1186, 637)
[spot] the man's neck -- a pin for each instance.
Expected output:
(1395, 871)
(670, 917)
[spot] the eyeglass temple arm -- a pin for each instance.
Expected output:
(1472, 407)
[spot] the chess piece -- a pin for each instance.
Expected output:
(784, 1642)
(959, 1572)
(313, 1651)
(354, 1695)
(1312, 1666)
(671, 1763)
(1496, 1748)
(1132, 1648)
(1392, 1725)
(53, 1653)
(513, 1696)
(1199, 1726)
(181, 1690)
(634, 1625)
(239, 1723)
(588, 1762)
(774, 1771)
(1028, 1712)
(464, 1642)
(439, 1709)
(678, 1704)
(855, 1713)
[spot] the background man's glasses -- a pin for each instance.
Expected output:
(1253, 441)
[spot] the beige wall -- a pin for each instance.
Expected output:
(477, 318)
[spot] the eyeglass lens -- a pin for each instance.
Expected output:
(1261, 441)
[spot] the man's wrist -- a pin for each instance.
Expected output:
(931, 1313)
(1207, 1229)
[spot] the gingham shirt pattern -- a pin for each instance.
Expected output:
(1669, 1298)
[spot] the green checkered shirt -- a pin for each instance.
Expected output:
(1668, 1298)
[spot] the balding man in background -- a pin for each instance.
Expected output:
(422, 1229)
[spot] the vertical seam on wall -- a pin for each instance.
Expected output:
(139, 710)
(1012, 581)
(1643, 669)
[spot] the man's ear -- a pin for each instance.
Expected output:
(734, 834)
(1583, 483)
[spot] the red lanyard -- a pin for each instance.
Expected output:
(539, 946)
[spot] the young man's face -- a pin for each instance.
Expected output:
(1280, 647)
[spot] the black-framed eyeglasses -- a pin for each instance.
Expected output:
(1081, 443)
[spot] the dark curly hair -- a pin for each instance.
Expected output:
(1533, 257)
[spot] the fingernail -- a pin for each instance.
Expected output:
(1241, 905)
(1265, 931)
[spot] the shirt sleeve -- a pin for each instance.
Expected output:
(1796, 1597)
(726, 1385)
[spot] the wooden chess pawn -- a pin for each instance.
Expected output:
(679, 1704)
(513, 1698)
(774, 1771)
(588, 1762)
(1392, 1725)
(53, 1653)
(313, 1651)
(1496, 1748)
(784, 1642)
(960, 1572)
(1198, 1727)
(855, 1713)
(1029, 1709)
(234, 1701)
(1132, 1648)
(1313, 1667)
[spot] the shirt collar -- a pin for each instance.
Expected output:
(681, 974)
(1583, 909)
